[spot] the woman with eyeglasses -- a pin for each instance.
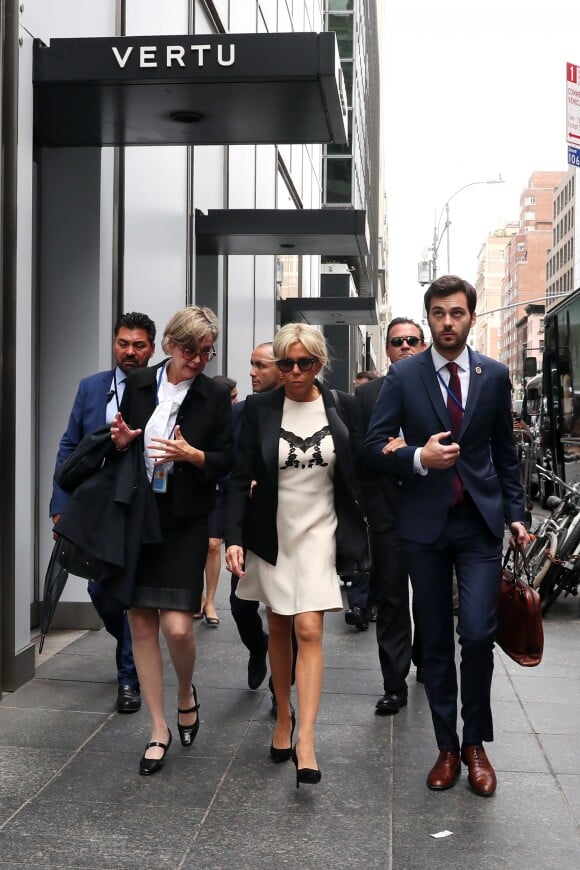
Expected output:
(292, 505)
(182, 420)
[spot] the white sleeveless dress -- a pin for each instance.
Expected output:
(304, 577)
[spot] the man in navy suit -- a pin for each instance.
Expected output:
(97, 401)
(460, 485)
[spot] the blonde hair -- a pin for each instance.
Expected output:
(189, 327)
(311, 337)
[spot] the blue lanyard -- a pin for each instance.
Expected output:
(451, 393)
(159, 376)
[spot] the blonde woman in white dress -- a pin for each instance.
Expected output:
(296, 459)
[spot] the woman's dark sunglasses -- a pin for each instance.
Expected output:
(305, 363)
(411, 340)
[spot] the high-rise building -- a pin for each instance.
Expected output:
(525, 267)
(157, 155)
(488, 284)
(560, 260)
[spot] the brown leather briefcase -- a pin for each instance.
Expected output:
(519, 615)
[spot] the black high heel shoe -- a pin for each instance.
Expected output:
(305, 775)
(147, 766)
(280, 755)
(188, 733)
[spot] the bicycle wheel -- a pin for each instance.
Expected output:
(571, 541)
(541, 561)
(548, 582)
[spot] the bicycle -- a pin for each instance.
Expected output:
(555, 550)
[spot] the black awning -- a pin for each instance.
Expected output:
(329, 231)
(330, 311)
(189, 90)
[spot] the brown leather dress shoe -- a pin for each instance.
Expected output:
(481, 775)
(445, 771)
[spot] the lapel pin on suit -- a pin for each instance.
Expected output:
(477, 370)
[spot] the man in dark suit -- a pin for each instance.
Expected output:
(460, 485)
(390, 576)
(97, 401)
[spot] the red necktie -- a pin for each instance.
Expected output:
(455, 411)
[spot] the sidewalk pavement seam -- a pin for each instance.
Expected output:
(217, 790)
(542, 749)
(57, 773)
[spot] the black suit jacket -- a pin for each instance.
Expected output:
(382, 492)
(205, 418)
(112, 510)
(251, 522)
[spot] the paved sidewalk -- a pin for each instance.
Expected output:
(71, 796)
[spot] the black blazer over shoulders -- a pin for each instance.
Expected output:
(251, 522)
(205, 418)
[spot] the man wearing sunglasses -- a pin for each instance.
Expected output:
(461, 487)
(390, 576)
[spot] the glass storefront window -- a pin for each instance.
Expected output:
(338, 180)
(340, 5)
(342, 26)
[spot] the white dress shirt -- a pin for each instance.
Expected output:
(444, 374)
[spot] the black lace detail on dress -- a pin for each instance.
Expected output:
(304, 444)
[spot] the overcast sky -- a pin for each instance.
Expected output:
(472, 89)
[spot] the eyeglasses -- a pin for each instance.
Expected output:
(305, 363)
(412, 340)
(206, 354)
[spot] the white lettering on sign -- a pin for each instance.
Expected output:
(175, 52)
(122, 59)
(174, 55)
(147, 56)
(200, 50)
(231, 58)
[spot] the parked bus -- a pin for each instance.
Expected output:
(560, 411)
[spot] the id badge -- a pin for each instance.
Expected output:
(159, 481)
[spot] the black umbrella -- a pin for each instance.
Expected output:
(54, 582)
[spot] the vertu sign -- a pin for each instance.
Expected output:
(149, 58)
(189, 90)
(168, 56)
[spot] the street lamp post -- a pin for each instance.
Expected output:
(428, 267)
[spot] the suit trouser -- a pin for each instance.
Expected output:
(117, 624)
(391, 591)
(358, 594)
(248, 620)
(466, 544)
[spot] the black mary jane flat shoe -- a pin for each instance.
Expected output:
(188, 733)
(148, 766)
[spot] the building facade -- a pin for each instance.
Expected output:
(488, 284)
(126, 202)
(525, 267)
(560, 272)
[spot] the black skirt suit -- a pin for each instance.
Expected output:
(170, 574)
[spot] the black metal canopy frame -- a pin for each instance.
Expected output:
(189, 90)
